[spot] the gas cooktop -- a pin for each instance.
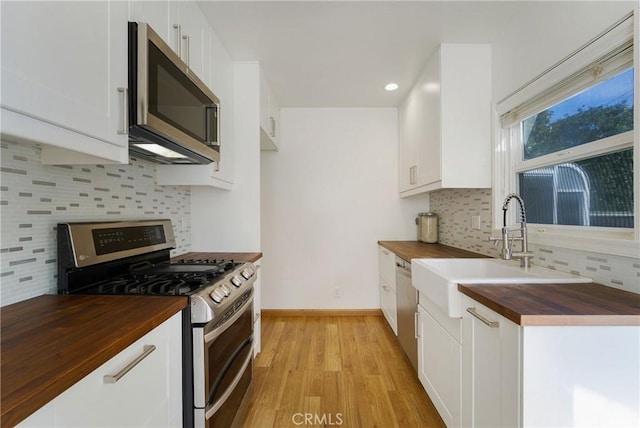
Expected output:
(134, 258)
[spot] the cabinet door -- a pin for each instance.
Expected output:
(428, 124)
(408, 117)
(154, 13)
(148, 395)
(67, 73)
(387, 261)
(490, 382)
(388, 306)
(257, 310)
(465, 115)
(439, 367)
(269, 115)
(194, 34)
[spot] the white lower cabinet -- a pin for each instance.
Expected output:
(547, 375)
(490, 368)
(440, 361)
(148, 395)
(257, 310)
(389, 306)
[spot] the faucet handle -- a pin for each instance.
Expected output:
(495, 241)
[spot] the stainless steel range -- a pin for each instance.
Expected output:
(134, 258)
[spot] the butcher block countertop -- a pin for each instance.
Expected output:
(50, 342)
(408, 250)
(558, 304)
(536, 304)
(243, 257)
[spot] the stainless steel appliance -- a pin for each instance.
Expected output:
(174, 118)
(133, 258)
(407, 308)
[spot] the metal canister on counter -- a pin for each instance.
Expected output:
(427, 227)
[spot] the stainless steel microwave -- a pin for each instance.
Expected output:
(174, 118)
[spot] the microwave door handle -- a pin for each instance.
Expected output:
(212, 122)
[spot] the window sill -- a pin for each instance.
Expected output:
(624, 244)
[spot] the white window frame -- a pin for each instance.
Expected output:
(535, 96)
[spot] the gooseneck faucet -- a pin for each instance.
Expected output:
(507, 252)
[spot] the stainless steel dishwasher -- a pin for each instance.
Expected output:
(407, 306)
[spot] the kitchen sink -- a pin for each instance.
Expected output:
(438, 279)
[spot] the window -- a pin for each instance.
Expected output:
(590, 190)
(568, 148)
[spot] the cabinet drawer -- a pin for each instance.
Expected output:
(148, 394)
(139, 398)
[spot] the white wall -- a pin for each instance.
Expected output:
(328, 196)
(225, 220)
(551, 31)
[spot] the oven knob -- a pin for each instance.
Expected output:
(236, 281)
(216, 296)
(223, 288)
(246, 274)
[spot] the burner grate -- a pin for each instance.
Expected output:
(153, 283)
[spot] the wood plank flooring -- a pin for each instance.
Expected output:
(335, 371)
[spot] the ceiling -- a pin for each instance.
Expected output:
(342, 53)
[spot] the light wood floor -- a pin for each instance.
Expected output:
(335, 371)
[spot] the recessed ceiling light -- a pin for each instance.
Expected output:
(391, 86)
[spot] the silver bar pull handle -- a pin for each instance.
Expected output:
(416, 323)
(272, 127)
(186, 39)
(146, 350)
(124, 130)
(491, 324)
(178, 29)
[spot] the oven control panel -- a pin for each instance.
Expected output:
(214, 300)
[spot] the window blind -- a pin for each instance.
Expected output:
(614, 52)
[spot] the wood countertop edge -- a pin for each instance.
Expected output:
(22, 405)
(252, 256)
(579, 320)
(529, 320)
(408, 250)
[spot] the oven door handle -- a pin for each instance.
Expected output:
(211, 336)
(235, 381)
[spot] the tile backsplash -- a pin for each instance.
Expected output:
(456, 206)
(35, 197)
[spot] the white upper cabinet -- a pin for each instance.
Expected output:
(217, 174)
(193, 37)
(269, 115)
(182, 26)
(64, 79)
(445, 123)
(154, 13)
